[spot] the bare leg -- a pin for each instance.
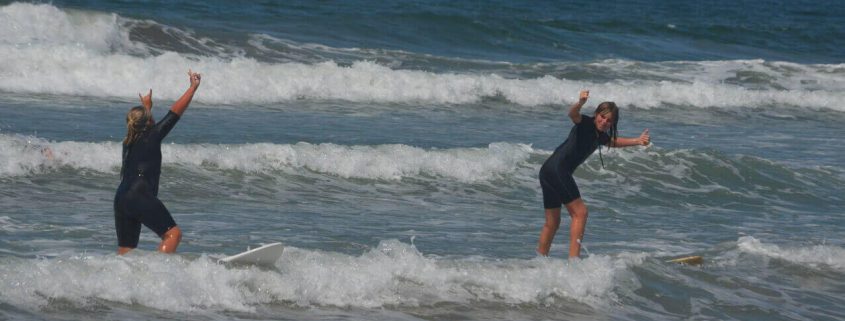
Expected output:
(578, 213)
(170, 240)
(547, 234)
(123, 250)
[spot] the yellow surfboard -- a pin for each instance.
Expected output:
(691, 260)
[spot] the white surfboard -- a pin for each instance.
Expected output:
(266, 255)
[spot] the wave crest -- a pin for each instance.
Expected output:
(97, 58)
(393, 273)
(815, 256)
(23, 155)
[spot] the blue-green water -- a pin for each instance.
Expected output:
(394, 149)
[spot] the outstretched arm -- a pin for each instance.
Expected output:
(575, 110)
(180, 105)
(644, 139)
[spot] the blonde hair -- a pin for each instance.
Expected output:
(136, 123)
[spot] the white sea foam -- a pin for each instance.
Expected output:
(25, 25)
(389, 162)
(816, 255)
(676, 170)
(53, 51)
(245, 80)
(23, 155)
(393, 273)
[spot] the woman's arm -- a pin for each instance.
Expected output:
(180, 105)
(575, 110)
(644, 139)
(147, 102)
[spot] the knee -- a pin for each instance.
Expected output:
(173, 233)
(578, 212)
(170, 240)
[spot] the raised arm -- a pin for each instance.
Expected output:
(180, 105)
(644, 139)
(147, 102)
(575, 110)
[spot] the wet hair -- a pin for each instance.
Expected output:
(609, 107)
(137, 122)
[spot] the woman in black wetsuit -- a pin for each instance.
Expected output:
(556, 174)
(136, 201)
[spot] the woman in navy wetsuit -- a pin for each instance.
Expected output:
(136, 201)
(556, 174)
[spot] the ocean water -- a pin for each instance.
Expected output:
(394, 149)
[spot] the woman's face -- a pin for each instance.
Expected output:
(604, 121)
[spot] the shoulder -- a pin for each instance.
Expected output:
(586, 122)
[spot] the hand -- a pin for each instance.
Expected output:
(582, 97)
(147, 101)
(195, 78)
(644, 138)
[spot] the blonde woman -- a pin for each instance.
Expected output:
(556, 179)
(136, 201)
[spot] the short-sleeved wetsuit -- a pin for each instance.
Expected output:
(556, 179)
(136, 201)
